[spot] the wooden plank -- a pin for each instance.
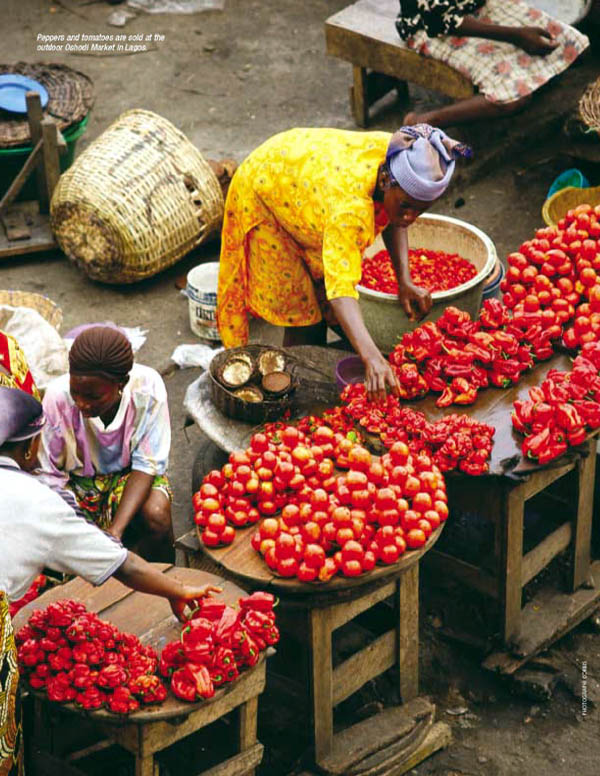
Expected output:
(438, 737)
(51, 156)
(359, 98)
(543, 478)
(242, 764)
(146, 766)
(21, 178)
(545, 619)
(408, 634)
(510, 572)
(586, 469)
(538, 558)
(35, 116)
(322, 681)
(473, 576)
(343, 613)
(247, 725)
(409, 723)
(15, 225)
(41, 239)
(353, 673)
(46, 764)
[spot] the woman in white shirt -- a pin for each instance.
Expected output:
(39, 529)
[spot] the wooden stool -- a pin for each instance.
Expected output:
(365, 35)
(153, 729)
(400, 736)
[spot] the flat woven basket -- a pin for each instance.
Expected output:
(589, 106)
(41, 304)
(70, 99)
(135, 201)
(557, 206)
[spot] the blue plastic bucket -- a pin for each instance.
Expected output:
(202, 295)
(492, 289)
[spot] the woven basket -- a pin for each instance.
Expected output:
(589, 106)
(70, 99)
(136, 200)
(557, 206)
(41, 304)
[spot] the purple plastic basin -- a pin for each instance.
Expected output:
(349, 370)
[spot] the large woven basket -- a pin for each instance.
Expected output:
(41, 304)
(557, 206)
(138, 198)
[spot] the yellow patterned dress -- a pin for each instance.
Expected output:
(11, 755)
(14, 371)
(298, 216)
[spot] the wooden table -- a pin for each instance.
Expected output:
(365, 35)
(151, 730)
(314, 612)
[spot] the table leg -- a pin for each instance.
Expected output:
(586, 469)
(407, 602)
(145, 766)
(321, 681)
(511, 562)
(359, 96)
(247, 726)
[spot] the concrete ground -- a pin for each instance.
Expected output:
(229, 80)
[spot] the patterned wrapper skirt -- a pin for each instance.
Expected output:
(502, 72)
(11, 754)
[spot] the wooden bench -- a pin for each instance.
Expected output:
(365, 35)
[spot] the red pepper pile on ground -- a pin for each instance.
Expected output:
(454, 442)
(217, 643)
(327, 523)
(562, 410)
(434, 270)
(76, 657)
(36, 587)
(456, 356)
(558, 271)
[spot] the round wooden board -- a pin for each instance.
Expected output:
(148, 617)
(241, 561)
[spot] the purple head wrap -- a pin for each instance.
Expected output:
(21, 415)
(421, 160)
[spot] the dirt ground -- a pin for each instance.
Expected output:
(229, 80)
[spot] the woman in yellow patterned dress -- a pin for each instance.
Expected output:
(299, 213)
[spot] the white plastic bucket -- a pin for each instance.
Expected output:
(202, 300)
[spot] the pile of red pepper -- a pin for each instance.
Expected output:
(217, 643)
(454, 442)
(74, 656)
(434, 270)
(36, 587)
(456, 356)
(560, 413)
(557, 272)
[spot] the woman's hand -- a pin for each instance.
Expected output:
(188, 594)
(379, 376)
(415, 301)
(534, 40)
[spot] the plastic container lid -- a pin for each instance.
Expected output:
(14, 87)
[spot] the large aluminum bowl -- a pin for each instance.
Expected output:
(383, 316)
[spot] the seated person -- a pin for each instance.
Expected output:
(107, 439)
(505, 47)
(14, 370)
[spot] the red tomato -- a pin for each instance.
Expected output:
(359, 458)
(314, 556)
(216, 522)
(216, 478)
(307, 573)
(323, 435)
(442, 509)
(210, 538)
(228, 534)
(311, 532)
(422, 502)
(344, 535)
(285, 545)
(352, 568)
(269, 528)
(290, 436)
(341, 517)
(270, 558)
(356, 480)
(287, 567)
(389, 553)
(259, 443)
(588, 277)
(369, 561)
(411, 486)
(415, 538)
(531, 303)
(410, 519)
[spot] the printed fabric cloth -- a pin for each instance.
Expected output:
(99, 497)
(299, 214)
(14, 370)
(502, 72)
(138, 438)
(11, 749)
(435, 17)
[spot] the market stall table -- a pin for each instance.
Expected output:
(406, 734)
(499, 497)
(149, 731)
